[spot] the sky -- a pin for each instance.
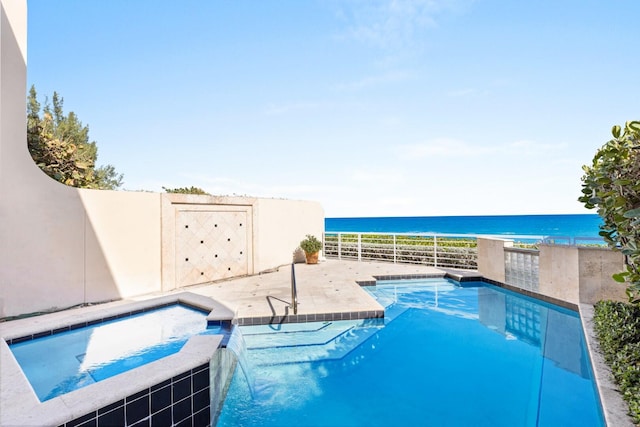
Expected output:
(370, 107)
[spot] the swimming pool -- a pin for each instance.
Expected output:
(67, 361)
(444, 355)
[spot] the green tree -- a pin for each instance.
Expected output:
(186, 190)
(59, 144)
(612, 185)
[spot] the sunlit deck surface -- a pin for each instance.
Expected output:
(329, 290)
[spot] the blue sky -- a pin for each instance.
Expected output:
(371, 107)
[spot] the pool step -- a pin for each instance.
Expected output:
(321, 334)
(330, 341)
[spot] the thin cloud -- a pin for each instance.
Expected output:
(393, 23)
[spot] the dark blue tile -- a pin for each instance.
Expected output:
(20, 339)
(41, 334)
(77, 326)
(160, 399)
(160, 385)
(181, 376)
(111, 407)
(187, 422)
(114, 418)
(137, 395)
(143, 423)
(181, 410)
(201, 400)
(162, 418)
(181, 389)
(200, 368)
(63, 329)
(200, 380)
(137, 409)
(202, 418)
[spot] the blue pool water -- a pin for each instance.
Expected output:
(63, 362)
(444, 355)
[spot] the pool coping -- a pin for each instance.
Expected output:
(19, 404)
(614, 408)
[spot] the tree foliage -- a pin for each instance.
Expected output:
(59, 144)
(186, 190)
(617, 326)
(612, 185)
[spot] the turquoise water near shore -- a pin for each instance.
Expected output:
(569, 225)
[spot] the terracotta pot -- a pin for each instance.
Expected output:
(312, 258)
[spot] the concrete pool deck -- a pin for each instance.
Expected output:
(329, 290)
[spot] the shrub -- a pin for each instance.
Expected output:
(611, 185)
(617, 326)
(311, 244)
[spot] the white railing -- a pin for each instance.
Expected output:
(438, 250)
(445, 250)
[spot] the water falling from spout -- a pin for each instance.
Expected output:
(238, 347)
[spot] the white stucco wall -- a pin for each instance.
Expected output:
(559, 272)
(61, 246)
(491, 257)
(597, 266)
(279, 227)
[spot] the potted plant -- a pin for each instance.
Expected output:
(311, 246)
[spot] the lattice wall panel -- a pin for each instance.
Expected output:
(210, 245)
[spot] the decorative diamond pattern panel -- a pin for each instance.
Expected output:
(210, 245)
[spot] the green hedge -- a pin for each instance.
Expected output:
(402, 240)
(452, 252)
(617, 326)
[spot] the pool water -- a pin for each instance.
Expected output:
(67, 361)
(444, 355)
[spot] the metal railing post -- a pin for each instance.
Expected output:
(359, 247)
(324, 243)
(294, 289)
(339, 245)
(395, 254)
(435, 251)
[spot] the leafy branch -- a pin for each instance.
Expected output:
(611, 184)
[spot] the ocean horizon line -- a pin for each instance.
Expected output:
(547, 225)
(460, 216)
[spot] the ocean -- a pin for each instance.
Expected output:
(570, 225)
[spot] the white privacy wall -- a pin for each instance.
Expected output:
(575, 274)
(62, 246)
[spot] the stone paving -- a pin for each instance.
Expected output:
(329, 290)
